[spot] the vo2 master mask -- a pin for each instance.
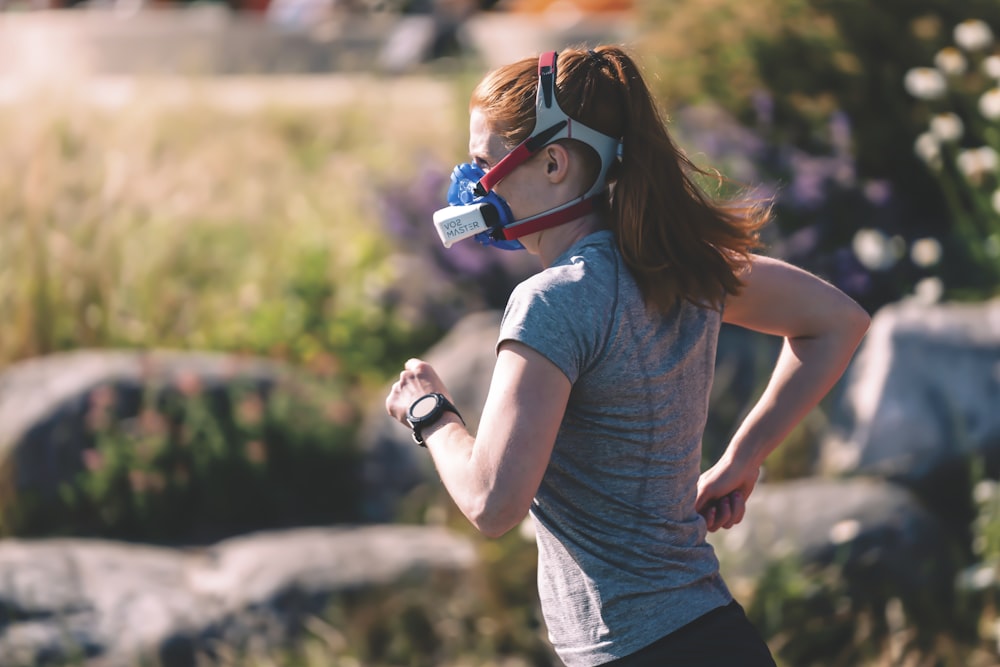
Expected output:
(469, 214)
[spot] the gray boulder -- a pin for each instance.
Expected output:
(63, 413)
(47, 404)
(120, 604)
(922, 397)
(877, 534)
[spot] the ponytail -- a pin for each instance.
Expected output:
(678, 242)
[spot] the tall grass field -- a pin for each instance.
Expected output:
(237, 216)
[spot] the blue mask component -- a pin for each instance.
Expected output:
(461, 192)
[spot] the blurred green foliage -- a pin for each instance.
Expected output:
(814, 57)
(960, 142)
(812, 618)
(157, 225)
(785, 68)
(197, 464)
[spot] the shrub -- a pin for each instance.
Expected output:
(193, 464)
(959, 103)
(822, 81)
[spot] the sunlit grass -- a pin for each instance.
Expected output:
(154, 219)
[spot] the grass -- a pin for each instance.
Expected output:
(189, 226)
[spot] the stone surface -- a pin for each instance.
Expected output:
(876, 532)
(45, 402)
(276, 446)
(922, 397)
(120, 603)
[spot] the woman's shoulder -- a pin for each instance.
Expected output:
(568, 310)
(588, 268)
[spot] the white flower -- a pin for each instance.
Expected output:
(947, 127)
(974, 162)
(983, 576)
(928, 148)
(925, 252)
(929, 290)
(984, 491)
(873, 249)
(991, 66)
(989, 104)
(925, 83)
(973, 35)
(950, 61)
(989, 158)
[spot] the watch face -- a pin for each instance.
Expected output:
(423, 407)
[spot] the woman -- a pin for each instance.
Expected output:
(598, 401)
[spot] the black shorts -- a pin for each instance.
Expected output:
(723, 637)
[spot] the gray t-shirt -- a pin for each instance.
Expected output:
(622, 556)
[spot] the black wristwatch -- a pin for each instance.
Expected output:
(425, 411)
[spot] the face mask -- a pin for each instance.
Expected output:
(469, 214)
(476, 210)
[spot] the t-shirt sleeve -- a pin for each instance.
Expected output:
(562, 316)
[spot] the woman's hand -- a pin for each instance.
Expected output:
(417, 379)
(723, 491)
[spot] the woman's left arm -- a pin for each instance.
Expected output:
(493, 476)
(821, 328)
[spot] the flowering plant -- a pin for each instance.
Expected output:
(961, 144)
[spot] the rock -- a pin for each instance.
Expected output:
(878, 534)
(120, 603)
(921, 399)
(55, 409)
(45, 402)
(394, 464)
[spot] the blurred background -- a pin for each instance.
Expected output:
(216, 253)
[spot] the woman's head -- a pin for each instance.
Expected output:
(677, 242)
(585, 90)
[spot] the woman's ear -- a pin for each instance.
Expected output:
(556, 163)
